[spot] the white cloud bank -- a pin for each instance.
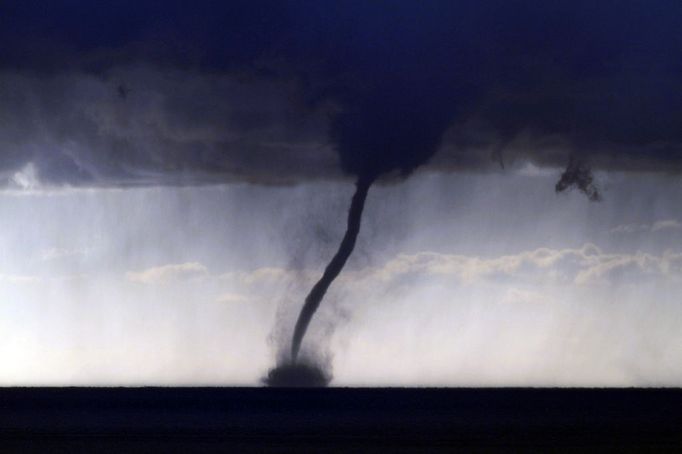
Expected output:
(570, 267)
(667, 224)
(579, 266)
(168, 273)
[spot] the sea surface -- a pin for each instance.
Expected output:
(338, 419)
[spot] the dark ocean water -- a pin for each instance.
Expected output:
(344, 419)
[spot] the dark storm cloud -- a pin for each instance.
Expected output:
(172, 127)
(276, 92)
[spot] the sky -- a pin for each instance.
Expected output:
(174, 179)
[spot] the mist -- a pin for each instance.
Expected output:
(488, 279)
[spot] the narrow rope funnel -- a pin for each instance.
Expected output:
(314, 298)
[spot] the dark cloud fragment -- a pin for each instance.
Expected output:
(578, 175)
(122, 91)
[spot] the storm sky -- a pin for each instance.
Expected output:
(174, 179)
